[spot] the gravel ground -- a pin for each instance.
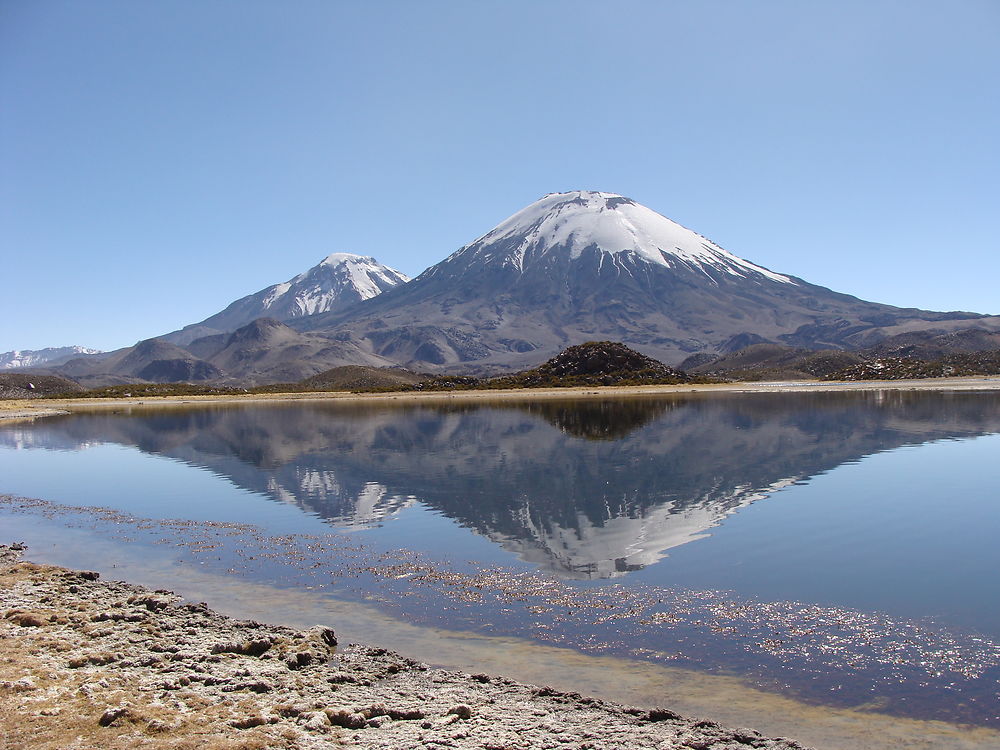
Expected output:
(88, 663)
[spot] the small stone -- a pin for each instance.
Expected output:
(323, 635)
(462, 711)
(344, 717)
(299, 659)
(248, 722)
(24, 684)
(661, 714)
(155, 725)
(27, 619)
(377, 709)
(112, 715)
(405, 714)
(316, 722)
(338, 678)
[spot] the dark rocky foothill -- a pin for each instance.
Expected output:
(908, 368)
(910, 357)
(35, 385)
(595, 363)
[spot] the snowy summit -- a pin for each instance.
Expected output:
(339, 277)
(611, 223)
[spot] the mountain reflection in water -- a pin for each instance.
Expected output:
(584, 489)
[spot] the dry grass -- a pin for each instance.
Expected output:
(48, 704)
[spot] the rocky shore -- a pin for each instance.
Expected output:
(89, 663)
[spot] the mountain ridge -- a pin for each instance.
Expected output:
(566, 269)
(578, 266)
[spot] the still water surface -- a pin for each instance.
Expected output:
(840, 548)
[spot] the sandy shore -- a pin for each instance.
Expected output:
(34, 408)
(90, 663)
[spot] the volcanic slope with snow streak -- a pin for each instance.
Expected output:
(583, 266)
(339, 280)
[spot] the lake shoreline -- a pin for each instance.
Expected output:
(15, 409)
(116, 664)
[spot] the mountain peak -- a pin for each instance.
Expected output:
(339, 259)
(613, 224)
(336, 282)
(337, 276)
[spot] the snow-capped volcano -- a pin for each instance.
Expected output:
(614, 225)
(567, 269)
(337, 281)
(585, 266)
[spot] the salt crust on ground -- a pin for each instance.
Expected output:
(87, 663)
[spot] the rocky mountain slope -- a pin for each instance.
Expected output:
(771, 362)
(579, 266)
(911, 355)
(264, 351)
(336, 282)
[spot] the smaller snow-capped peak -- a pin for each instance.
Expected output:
(614, 224)
(339, 277)
(364, 274)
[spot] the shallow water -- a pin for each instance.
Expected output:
(834, 548)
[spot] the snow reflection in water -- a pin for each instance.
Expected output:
(685, 531)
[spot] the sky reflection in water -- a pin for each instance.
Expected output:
(763, 496)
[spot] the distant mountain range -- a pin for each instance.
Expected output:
(569, 268)
(21, 358)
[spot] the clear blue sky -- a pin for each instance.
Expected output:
(161, 159)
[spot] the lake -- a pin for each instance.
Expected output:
(838, 549)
